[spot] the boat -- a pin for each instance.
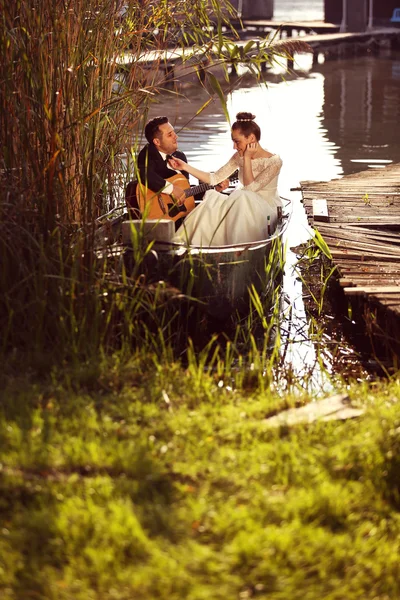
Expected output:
(218, 277)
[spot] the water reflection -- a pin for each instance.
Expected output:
(362, 110)
(338, 118)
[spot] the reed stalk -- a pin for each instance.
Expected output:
(74, 96)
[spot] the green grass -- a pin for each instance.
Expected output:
(125, 474)
(133, 483)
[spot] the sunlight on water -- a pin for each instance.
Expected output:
(288, 114)
(298, 10)
(340, 118)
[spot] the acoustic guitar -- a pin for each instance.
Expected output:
(158, 205)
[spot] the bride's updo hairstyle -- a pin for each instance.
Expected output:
(246, 125)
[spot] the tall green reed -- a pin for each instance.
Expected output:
(75, 93)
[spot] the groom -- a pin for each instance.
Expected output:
(152, 162)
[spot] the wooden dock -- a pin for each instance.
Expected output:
(290, 28)
(338, 45)
(177, 63)
(359, 218)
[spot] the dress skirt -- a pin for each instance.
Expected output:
(222, 220)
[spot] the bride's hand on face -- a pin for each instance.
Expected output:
(177, 163)
(251, 149)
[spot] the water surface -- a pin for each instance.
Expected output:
(337, 118)
(298, 10)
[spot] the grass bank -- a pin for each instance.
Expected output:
(137, 480)
(140, 478)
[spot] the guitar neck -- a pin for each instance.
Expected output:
(197, 189)
(202, 187)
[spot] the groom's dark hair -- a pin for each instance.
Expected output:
(152, 130)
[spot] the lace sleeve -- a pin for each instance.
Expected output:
(271, 169)
(225, 171)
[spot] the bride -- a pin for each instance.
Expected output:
(248, 214)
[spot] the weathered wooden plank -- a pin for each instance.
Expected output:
(387, 188)
(381, 278)
(340, 230)
(355, 271)
(393, 297)
(352, 204)
(390, 303)
(359, 282)
(382, 249)
(340, 184)
(371, 265)
(346, 228)
(361, 210)
(336, 238)
(362, 256)
(382, 226)
(354, 215)
(372, 289)
(383, 193)
(367, 221)
(371, 248)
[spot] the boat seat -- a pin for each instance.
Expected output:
(396, 16)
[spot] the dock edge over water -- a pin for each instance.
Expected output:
(359, 218)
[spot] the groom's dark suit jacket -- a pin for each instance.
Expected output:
(153, 172)
(152, 168)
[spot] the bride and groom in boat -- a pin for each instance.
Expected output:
(248, 214)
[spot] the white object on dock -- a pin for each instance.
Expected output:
(320, 209)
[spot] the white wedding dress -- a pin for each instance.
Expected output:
(248, 214)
